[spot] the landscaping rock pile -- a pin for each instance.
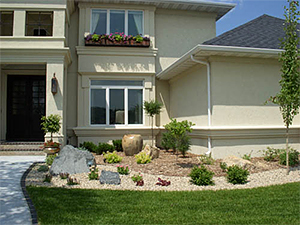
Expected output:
(152, 151)
(233, 160)
(108, 177)
(71, 160)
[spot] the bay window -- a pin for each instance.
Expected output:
(105, 21)
(116, 102)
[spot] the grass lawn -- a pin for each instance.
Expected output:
(269, 205)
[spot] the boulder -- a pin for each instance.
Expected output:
(152, 151)
(132, 144)
(108, 177)
(233, 160)
(71, 160)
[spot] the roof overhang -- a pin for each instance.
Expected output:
(204, 51)
(219, 8)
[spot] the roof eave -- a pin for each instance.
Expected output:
(212, 50)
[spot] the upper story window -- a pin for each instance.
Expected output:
(6, 23)
(39, 23)
(110, 21)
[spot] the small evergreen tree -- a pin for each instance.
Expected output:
(51, 124)
(152, 108)
(288, 98)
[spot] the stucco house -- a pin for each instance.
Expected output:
(218, 83)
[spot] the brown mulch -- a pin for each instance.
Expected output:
(170, 164)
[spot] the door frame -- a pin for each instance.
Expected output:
(3, 98)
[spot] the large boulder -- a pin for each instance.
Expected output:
(71, 160)
(132, 144)
(233, 160)
(152, 151)
(108, 177)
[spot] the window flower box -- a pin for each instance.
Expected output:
(117, 39)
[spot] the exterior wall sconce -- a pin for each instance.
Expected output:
(54, 85)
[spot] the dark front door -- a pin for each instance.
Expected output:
(25, 106)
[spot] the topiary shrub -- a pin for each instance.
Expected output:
(112, 157)
(201, 176)
(293, 157)
(118, 145)
(104, 147)
(89, 146)
(143, 158)
(50, 159)
(237, 175)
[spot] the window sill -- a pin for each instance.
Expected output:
(108, 43)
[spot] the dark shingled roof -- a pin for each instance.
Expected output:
(262, 32)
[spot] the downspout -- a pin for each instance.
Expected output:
(208, 99)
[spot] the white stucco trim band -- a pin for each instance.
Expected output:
(204, 51)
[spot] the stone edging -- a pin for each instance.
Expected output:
(33, 213)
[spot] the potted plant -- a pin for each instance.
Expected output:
(51, 124)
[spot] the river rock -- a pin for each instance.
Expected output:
(108, 177)
(132, 144)
(71, 160)
(152, 151)
(233, 160)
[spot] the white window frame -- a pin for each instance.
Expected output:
(126, 19)
(109, 87)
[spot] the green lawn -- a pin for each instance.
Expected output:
(270, 205)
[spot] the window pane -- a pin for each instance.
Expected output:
(116, 106)
(98, 106)
(135, 22)
(99, 21)
(117, 82)
(39, 23)
(135, 106)
(117, 21)
(6, 23)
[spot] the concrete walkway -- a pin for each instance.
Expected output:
(13, 206)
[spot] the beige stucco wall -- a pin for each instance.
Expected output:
(188, 96)
(239, 88)
(178, 31)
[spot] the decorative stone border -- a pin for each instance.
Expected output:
(33, 213)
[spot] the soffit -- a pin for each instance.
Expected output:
(202, 6)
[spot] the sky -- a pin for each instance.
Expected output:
(246, 10)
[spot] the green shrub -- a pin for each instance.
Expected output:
(168, 141)
(112, 157)
(89, 146)
(201, 176)
(207, 160)
(104, 147)
(43, 168)
(50, 159)
(48, 178)
(143, 158)
(118, 145)
(247, 156)
(82, 149)
(293, 157)
(51, 124)
(272, 154)
(124, 170)
(223, 166)
(237, 175)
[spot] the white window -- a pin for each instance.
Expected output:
(105, 21)
(116, 102)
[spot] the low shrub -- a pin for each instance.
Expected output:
(50, 159)
(237, 175)
(48, 178)
(293, 157)
(223, 166)
(168, 141)
(272, 154)
(143, 158)
(118, 145)
(43, 168)
(93, 174)
(247, 156)
(72, 181)
(184, 144)
(124, 170)
(89, 146)
(64, 175)
(112, 157)
(104, 147)
(207, 160)
(163, 182)
(82, 149)
(138, 179)
(201, 176)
